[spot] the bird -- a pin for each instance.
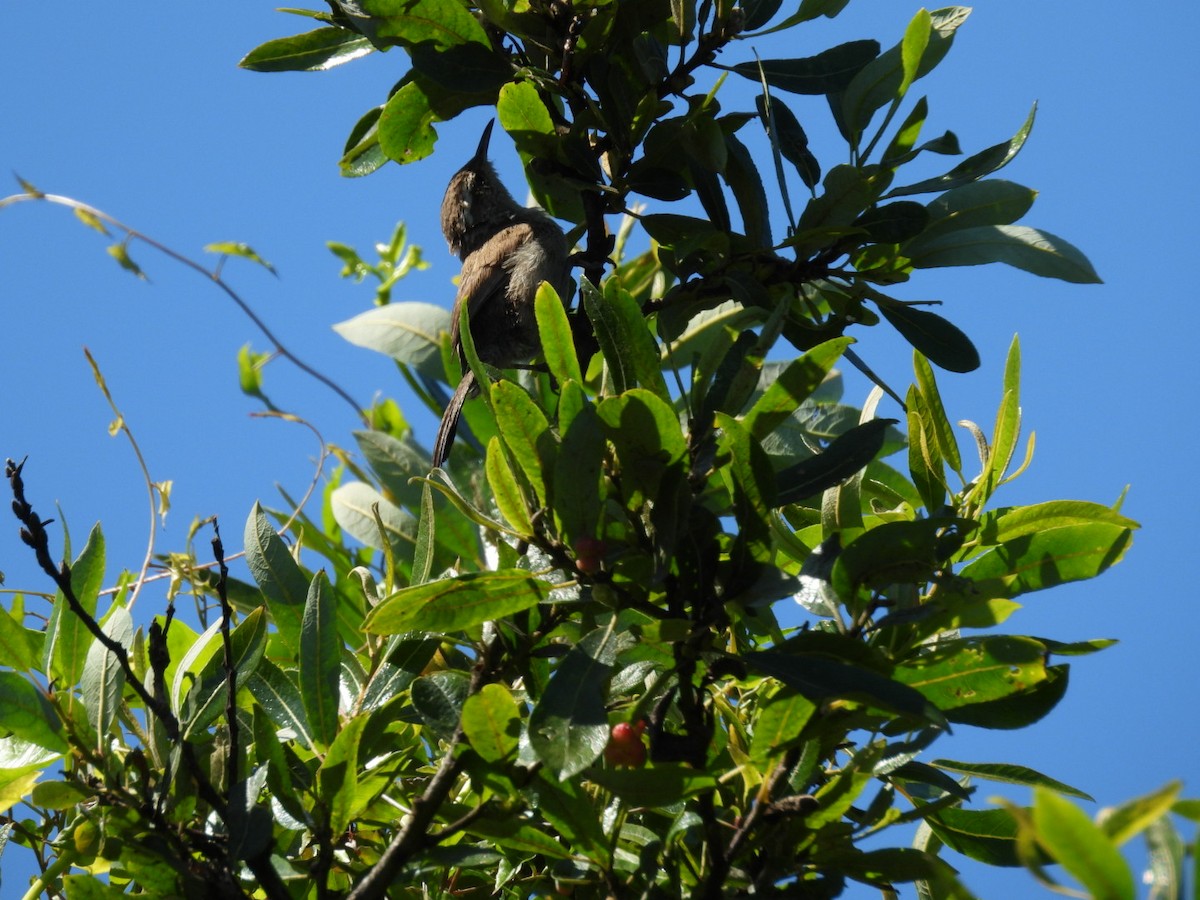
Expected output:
(507, 251)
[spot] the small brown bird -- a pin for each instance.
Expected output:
(507, 251)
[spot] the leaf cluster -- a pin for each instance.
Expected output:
(556, 665)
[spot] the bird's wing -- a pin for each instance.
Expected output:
(484, 275)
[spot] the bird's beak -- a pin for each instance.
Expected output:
(481, 151)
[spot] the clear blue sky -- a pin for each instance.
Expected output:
(142, 112)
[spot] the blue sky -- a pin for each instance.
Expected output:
(143, 113)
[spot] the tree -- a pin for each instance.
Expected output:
(559, 668)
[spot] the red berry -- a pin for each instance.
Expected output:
(589, 553)
(625, 747)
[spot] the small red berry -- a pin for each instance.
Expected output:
(589, 553)
(625, 747)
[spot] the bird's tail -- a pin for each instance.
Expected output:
(445, 435)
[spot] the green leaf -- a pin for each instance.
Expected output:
(209, 696)
(454, 604)
(395, 462)
(120, 252)
(998, 526)
(819, 678)
(988, 835)
(886, 78)
(103, 680)
(245, 251)
(746, 184)
(278, 694)
(848, 191)
(492, 722)
(750, 480)
(443, 23)
(975, 670)
(277, 574)
(990, 202)
(1068, 835)
(27, 713)
(778, 725)
(938, 424)
(410, 333)
(526, 432)
(362, 154)
(337, 778)
(568, 727)
(525, 839)
(1120, 823)
(510, 500)
(67, 637)
(577, 477)
(893, 222)
(789, 136)
(1007, 429)
(576, 816)
(313, 51)
(353, 506)
(912, 47)
(406, 132)
(1020, 246)
(925, 463)
(1009, 774)
(59, 794)
(795, 384)
(974, 167)
(20, 647)
(438, 698)
(845, 456)
(269, 752)
(648, 439)
(1047, 558)
(890, 553)
(558, 345)
(320, 660)
(1019, 709)
(825, 73)
(940, 341)
(628, 347)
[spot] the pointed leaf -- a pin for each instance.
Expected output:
(940, 341)
(277, 574)
(454, 604)
(973, 167)
(846, 455)
(103, 680)
(1009, 774)
(558, 345)
(820, 678)
(568, 727)
(1044, 559)
(1068, 835)
(795, 384)
(337, 777)
(510, 500)
(27, 713)
(410, 333)
(68, 638)
(492, 722)
(1020, 246)
(825, 73)
(320, 660)
(313, 51)
(209, 696)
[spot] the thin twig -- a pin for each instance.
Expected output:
(233, 770)
(146, 479)
(213, 275)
